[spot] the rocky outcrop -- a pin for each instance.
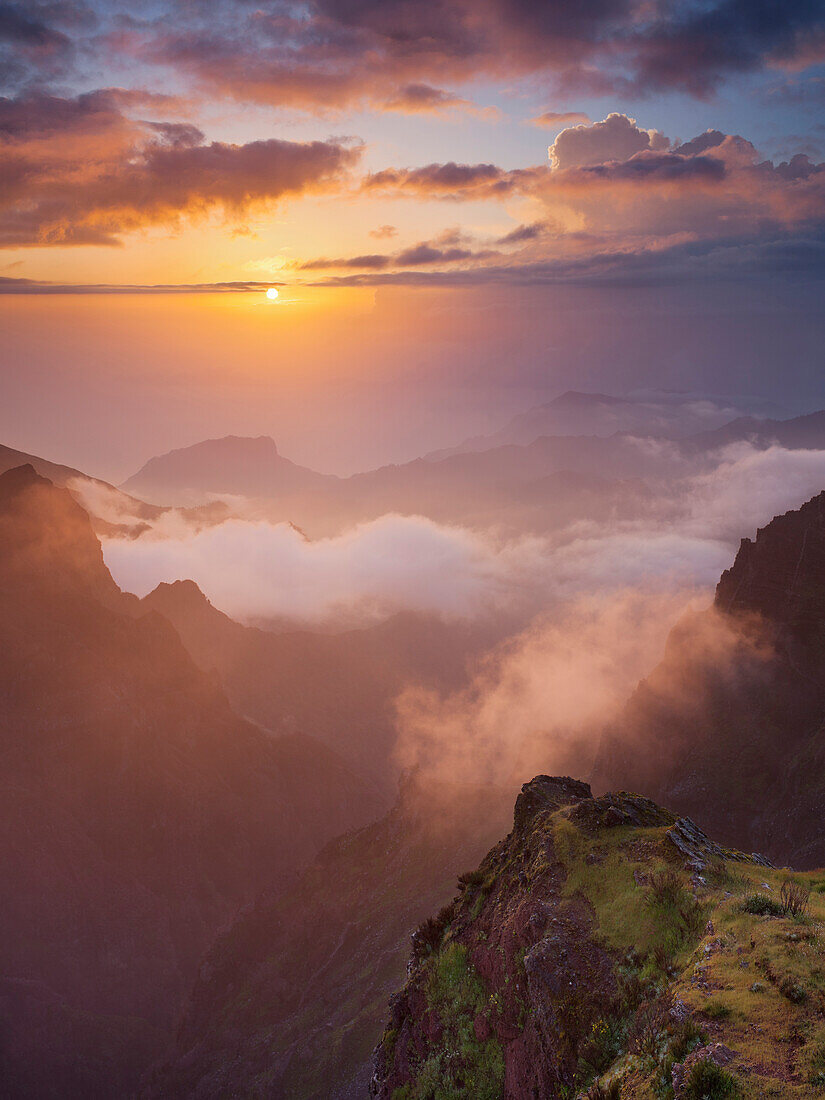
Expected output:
(585, 956)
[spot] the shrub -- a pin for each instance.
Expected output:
(427, 938)
(687, 1038)
(648, 1023)
(794, 898)
(760, 905)
(470, 878)
(667, 888)
(613, 1091)
(707, 1081)
(715, 1010)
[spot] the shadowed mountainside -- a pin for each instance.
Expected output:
(138, 813)
(337, 687)
(291, 1000)
(736, 739)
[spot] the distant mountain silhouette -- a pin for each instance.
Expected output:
(233, 465)
(137, 811)
(661, 414)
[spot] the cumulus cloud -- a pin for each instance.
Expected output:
(616, 138)
(619, 202)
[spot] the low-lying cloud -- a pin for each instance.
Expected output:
(254, 569)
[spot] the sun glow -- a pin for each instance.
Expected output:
(272, 294)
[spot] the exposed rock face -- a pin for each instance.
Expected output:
(729, 728)
(137, 811)
(584, 951)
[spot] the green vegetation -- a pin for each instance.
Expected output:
(760, 905)
(707, 1081)
(733, 956)
(463, 1066)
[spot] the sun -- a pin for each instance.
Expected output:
(272, 294)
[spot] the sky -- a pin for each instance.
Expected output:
(466, 207)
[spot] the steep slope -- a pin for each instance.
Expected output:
(606, 948)
(340, 687)
(233, 465)
(291, 1001)
(730, 728)
(137, 811)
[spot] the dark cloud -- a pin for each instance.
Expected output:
(448, 181)
(448, 248)
(523, 233)
(424, 99)
(333, 53)
(735, 260)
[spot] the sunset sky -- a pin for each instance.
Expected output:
(467, 207)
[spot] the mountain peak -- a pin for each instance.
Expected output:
(779, 573)
(17, 479)
(47, 538)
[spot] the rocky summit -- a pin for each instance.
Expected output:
(607, 948)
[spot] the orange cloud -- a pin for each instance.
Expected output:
(79, 171)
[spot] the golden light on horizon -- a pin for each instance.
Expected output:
(272, 294)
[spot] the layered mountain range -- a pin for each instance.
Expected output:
(524, 481)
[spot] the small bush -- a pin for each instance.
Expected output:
(760, 905)
(687, 1038)
(715, 1010)
(667, 888)
(470, 878)
(648, 1023)
(790, 989)
(427, 937)
(613, 1091)
(707, 1081)
(794, 898)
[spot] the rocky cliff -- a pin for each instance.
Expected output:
(730, 727)
(606, 948)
